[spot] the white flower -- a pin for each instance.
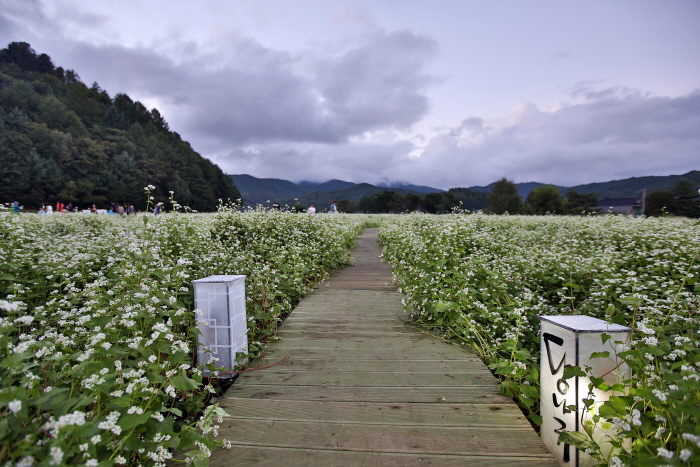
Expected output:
(15, 406)
(56, 455)
(660, 394)
(693, 438)
(685, 454)
(24, 319)
(665, 453)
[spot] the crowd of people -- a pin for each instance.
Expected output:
(59, 207)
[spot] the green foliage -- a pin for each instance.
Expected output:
(484, 280)
(391, 202)
(63, 141)
(683, 199)
(97, 350)
(504, 198)
(545, 199)
(470, 200)
(579, 203)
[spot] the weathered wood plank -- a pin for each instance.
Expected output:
(452, 394)
(344, 353)
(296, 363)
(379, 438)
(445, 414)
(265, 456)
(370, 378)
(413, 342)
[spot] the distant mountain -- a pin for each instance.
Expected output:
(524, 189)
(261, 190)
(333, 185)
(283, 192)
(628, 187)
(323, 199)
(408, 186)
(633, 187)
(266, 188)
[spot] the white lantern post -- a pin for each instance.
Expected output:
(570, 341)
(221, 301)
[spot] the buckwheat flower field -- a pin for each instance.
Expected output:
(485, 279)
(98, 331)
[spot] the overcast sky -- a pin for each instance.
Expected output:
(444, 93)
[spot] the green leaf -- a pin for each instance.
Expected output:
(131, 420)
(570, 371)
(183, 383)
(530, 391)
(604, 354)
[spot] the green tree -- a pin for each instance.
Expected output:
(504, 198)
(577, 203)
(686, 199)
(347, 206)
(658, 203)
(545, 199)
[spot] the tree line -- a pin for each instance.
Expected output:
(61, 140)
(682, 199)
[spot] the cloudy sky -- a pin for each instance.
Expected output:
(443, 93)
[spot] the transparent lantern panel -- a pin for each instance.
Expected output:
(221, 299)
(570, 340)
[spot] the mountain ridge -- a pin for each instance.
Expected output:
(273, 190)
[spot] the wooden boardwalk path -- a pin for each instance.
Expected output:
(361, 387)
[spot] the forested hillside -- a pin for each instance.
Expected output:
(61, 140)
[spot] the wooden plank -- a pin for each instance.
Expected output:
(297, 363)
(266, 456)
(415, 394)
(355, 354)
(344, 332)
(445, 414)
(378, 438)
(369, 378)
(411, 343)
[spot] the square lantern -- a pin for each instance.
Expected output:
(221, 300)
(570, 341)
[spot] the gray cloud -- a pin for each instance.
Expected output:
(244, 92)
(338, 111)
(614, 134)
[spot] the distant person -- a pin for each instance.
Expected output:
(93, 209)
(60, 207)
(49, 209)
(334, 207)
(130, 210)
(69, 207)
(311, 210)
(120, 209)
(16, 208)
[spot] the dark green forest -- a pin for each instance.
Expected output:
(61, 140)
